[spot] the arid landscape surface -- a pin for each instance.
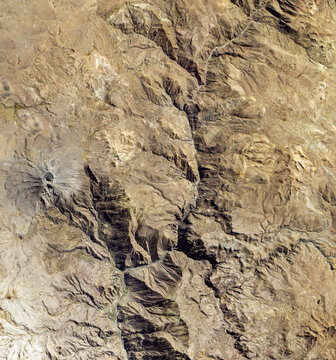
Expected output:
(167, 180)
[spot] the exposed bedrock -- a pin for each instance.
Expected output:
(167, 176)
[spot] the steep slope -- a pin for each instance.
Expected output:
(167, 176)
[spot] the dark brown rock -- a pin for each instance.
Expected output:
(167, 180)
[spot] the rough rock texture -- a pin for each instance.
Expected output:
(167, 179)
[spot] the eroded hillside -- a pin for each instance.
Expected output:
(167, 176)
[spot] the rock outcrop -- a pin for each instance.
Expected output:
(167, 175)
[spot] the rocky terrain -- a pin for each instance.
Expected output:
(167, 179)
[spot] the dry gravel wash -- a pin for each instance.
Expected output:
(167, 180)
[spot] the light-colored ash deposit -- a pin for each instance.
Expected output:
(167, 180)
(46, 173)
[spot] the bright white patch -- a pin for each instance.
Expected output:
(21, 347)
(103, 74)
